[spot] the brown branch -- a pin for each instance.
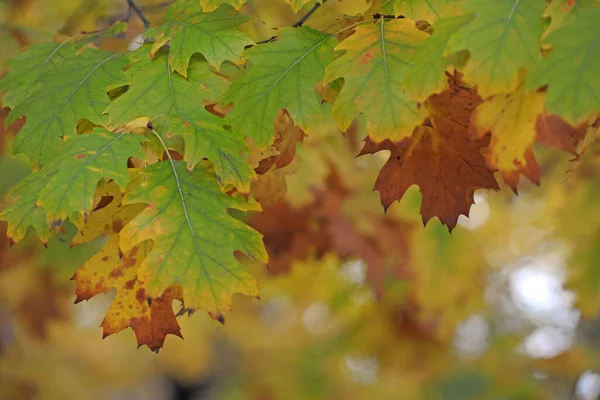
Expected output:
(133, 6)
(310, 12)
(297, 24)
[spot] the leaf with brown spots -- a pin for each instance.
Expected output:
(194, 236)
(440, 157)
(151, 319)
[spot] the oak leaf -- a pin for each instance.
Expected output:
(426, 72)
(570, 69)
(440, 157)
(553, 131)
(194, 236)
(188, 30)
(282, 75)
(151, 319)
(504, 37)
(374, 67)
(183, 114)
(74, 89)
(64, 187)
(511, 119)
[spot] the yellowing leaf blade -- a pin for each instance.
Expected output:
(374, 66)
(195, 239)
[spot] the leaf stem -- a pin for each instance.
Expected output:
(133, 6)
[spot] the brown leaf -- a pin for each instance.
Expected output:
(151, 318)
(553, 131)
(440, 157)
(283, 148)
(276, 162)
(299, 233)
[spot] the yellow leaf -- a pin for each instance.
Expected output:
(511, 119)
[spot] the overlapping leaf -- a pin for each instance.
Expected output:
(511, 119)
(504, 36)
(440, 157)
(555, 132)
(76, 88)
(65, 186)
(194, 237)
(27, 68)
(283, 75)
(188, 30)
(571, 69)
(151, 319)
(374, 67)
(156, 91)
(426, 73)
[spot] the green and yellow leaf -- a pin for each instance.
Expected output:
(504, 37)
(183, 109)
(194, 236)
(283, 75)
(376, 60)
(75, 89)
(188, 30)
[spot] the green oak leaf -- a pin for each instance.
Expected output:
(571, 69)
(504, 37)
(428, 10)
(426, 74)
(156, 91)
(205, 137)
(27, 68)
(64, 187)
(374, 67)
(194, 236)
(76, 168)
(76, 88)
(23, 212)
(188, 30)
(283, 75)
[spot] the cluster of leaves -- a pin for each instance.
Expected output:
(163, 149)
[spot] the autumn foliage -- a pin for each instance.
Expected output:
(184, 153)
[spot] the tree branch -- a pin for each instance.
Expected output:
(297, 24)
(310, 12)
(133, 6)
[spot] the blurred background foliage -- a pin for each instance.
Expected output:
(355, 304)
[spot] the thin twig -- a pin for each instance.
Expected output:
(133, 6)
(297, 24)
(309, 14)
